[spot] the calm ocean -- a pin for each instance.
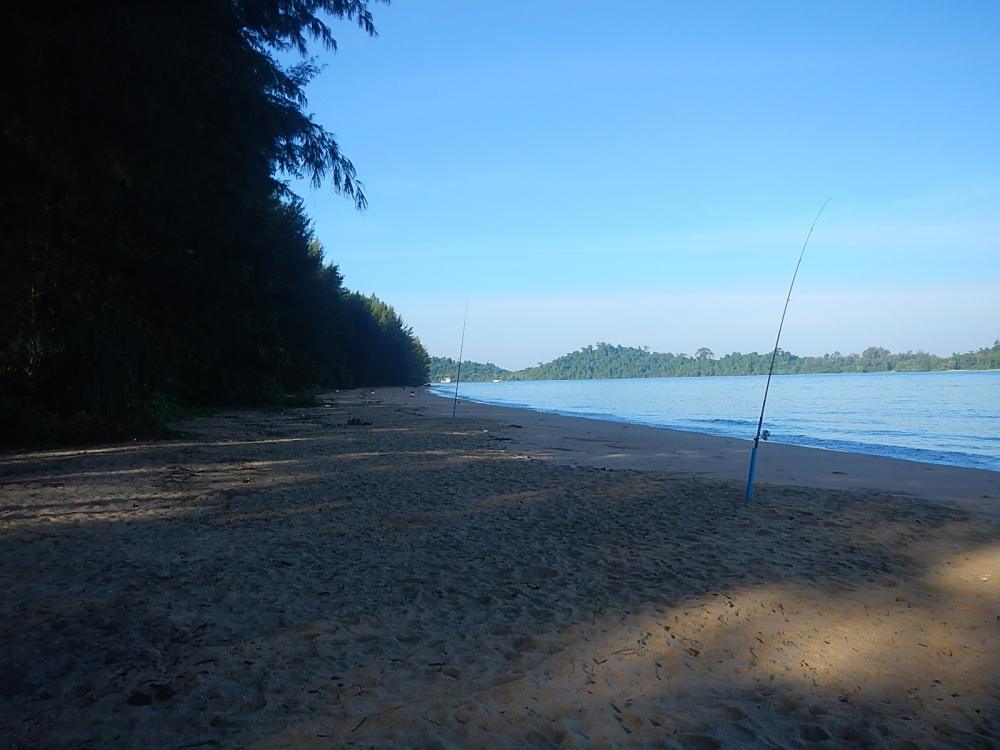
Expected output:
(939, 417)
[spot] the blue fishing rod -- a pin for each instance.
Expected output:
(765, 434)
(461, 349)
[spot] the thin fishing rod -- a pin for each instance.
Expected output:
(461, 349)
(774, 354)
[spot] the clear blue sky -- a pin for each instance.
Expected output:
(645, 173)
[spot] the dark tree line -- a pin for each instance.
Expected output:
(610, 361)
(152, 253)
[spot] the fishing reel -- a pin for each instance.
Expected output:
(765, 434)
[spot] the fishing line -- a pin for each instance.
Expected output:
(461, 349)
(770, 370)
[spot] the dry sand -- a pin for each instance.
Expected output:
(302, 579)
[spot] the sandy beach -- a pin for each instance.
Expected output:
(372, 573)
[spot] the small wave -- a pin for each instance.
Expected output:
(923, 455)
(934, 425)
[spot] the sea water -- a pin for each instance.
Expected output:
(939, 417)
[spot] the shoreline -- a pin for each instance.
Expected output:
(924, 421)
(615, 419)
(592, 442)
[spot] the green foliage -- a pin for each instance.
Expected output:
(152, 254)
(608, 361)
(161, 408)
(446, 367)
(382, 350)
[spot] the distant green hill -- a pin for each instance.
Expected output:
(446, 367)
(603, 360)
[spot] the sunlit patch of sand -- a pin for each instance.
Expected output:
(46, 455)
(974, 574)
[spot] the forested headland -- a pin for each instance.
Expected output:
(609, 361)
(154, 257)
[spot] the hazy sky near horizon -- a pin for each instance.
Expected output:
(645, 173)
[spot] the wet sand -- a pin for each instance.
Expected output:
(371, 573)
(590, 442)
